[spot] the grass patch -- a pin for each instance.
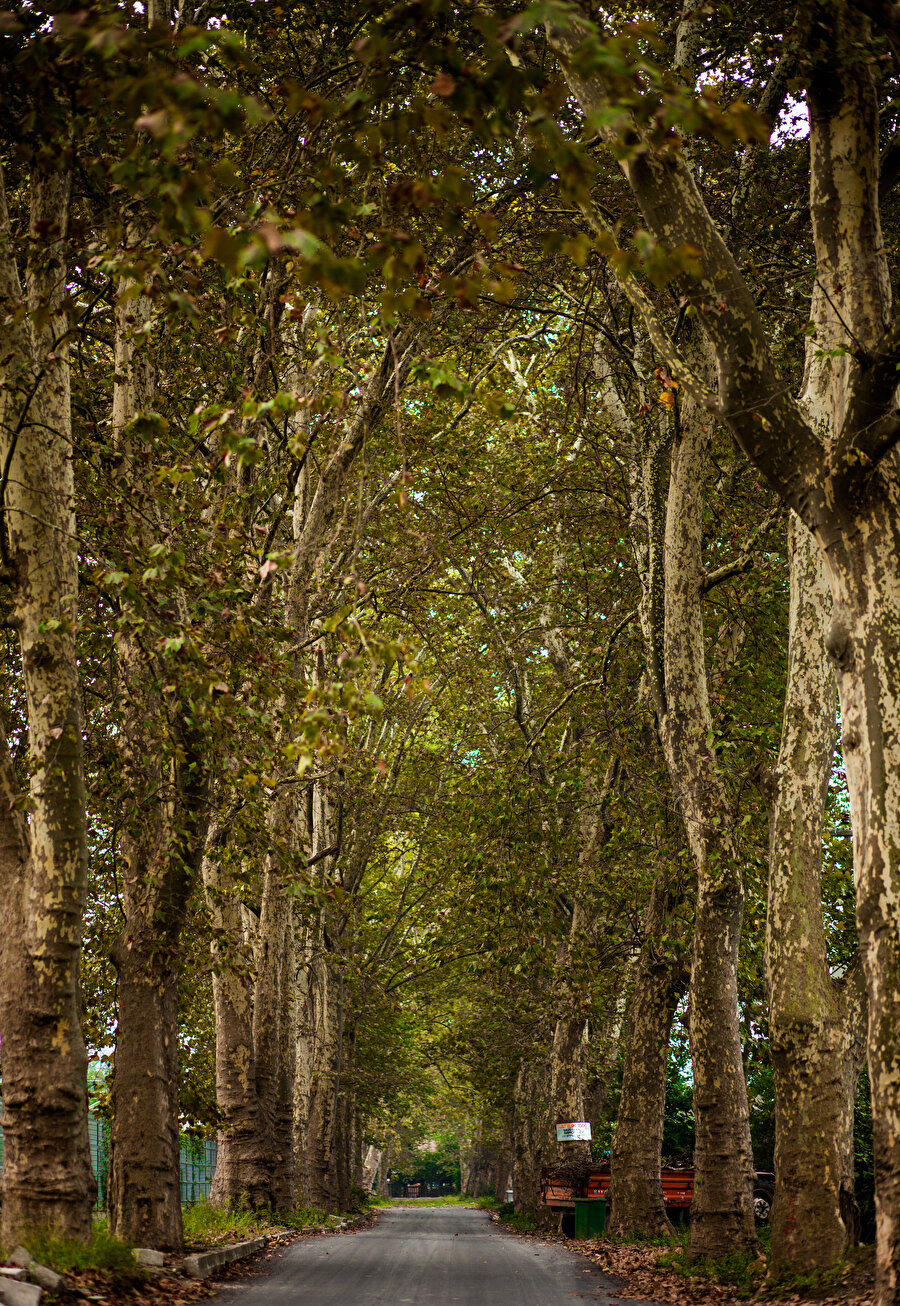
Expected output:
(303, 1218)
(451, 1199)
(522, 1222)
(103, 1252)
(740, 1270)
(206, 1225)
(857, 1263)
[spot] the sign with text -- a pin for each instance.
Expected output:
(574, 1133)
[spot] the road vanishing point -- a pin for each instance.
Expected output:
(429, 1256)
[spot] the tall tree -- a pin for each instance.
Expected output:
(46, 1177)
(844, 485)
(809, 1024)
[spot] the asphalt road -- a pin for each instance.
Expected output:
(430, 1256)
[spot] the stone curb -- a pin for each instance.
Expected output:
(149, 1256)
(15, 1293)
(203, 1264)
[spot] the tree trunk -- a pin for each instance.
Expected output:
(370, 1168)
(570, 1001)
(843, 481)
(635, 1198)
(850, 991)
(864, 643)
(242, 1175)
(164, 832)
(722, 1210)
(160, 864)
(144, 1195)
(530, 1136)
(855, 516)
(807, 1036)
(566, 1086)
(273, 1013)
(384, 1187)
(606, 1036)
(324, 1135)
(46, 1177)
(346, 1108)
(504, 1171)
(671, 615)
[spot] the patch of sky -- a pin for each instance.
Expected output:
(838, 791)
(793, 122)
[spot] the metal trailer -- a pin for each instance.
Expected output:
(562, 1185)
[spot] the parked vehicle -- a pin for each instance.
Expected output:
(561, 1184)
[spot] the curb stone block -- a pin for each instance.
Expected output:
(203, 1264)
(13, 1293)
(147, 1256)
(46, 1278)
(41, 1274)
(13, 1272)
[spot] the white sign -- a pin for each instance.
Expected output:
(580, 1130)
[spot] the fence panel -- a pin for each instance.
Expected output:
(197, 1170)
(197, 1164)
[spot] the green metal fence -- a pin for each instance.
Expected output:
(98, 1137)
(197, 1164)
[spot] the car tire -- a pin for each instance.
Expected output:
(763, 1197)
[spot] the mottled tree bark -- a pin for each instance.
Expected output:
(273, 1010)
(636, 1208)
(285, 1139)
(504, 1170)
(242, 1176)
(570, 1028)
(722, 1211)
(163, 835)
(566, 1086)
(672, 624)
(321, 1034)
(255, 1035)
(530, 1134)
(46, 1177)
(324, 1136)
(850, 990)
(370, 1168)
(843, 481)
(668, 526)
(807, 1029)
(383, 1171)
(160, 865)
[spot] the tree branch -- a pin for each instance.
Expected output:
(871, 426)
(753, 399)
(744, 560)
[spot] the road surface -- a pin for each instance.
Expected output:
(429, 1256)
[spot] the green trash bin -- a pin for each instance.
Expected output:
(590, 1216)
